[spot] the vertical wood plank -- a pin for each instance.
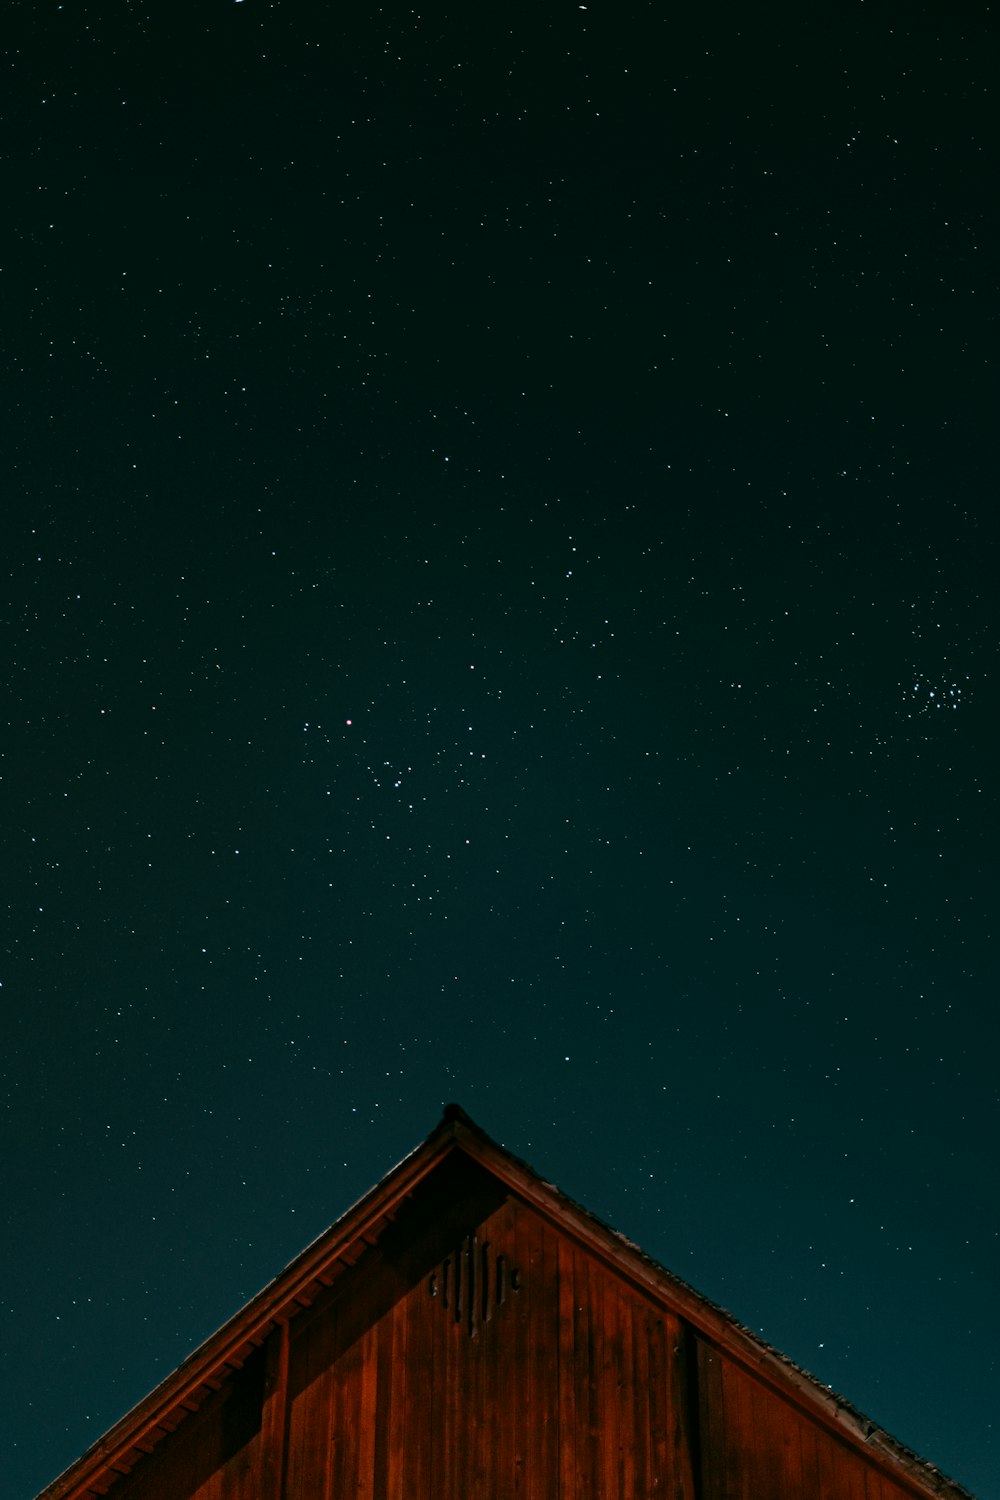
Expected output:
(682, 1413)
(595, 1336)
(659, 1390)
(629, 1397)
(430, 1428)
(567, 1386)
(397, 1378)
(469, 1351)
(364, 1478)
(711, 1416)
(810, 1467)
(346, 1416)
(852, 1479)
(309, 1454)
(274, 1415)
(543, 1404)
(642, 1407)
(448, 1396)
(825, 1475)
(503, 1373)
(324, 1485)
(549, 1360)
(532, 1410)
(731, 1465)
(418, 1391)
(607, 1393)
(382, 1356)
(738, 1448)
(770, 1464)
(581, 1374)
(521, 1306)
(339, 1424)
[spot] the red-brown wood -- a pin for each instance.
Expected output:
(274, 1415)
(558, 1389)
(470, 1333)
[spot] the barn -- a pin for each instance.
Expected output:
(466, 1330)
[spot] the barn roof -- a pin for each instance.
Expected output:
(321, 1264)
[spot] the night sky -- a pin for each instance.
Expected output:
(499, 605)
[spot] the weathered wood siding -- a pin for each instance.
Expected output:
(478, 1351)
(513, 1365)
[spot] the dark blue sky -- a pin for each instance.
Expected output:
(500, 606)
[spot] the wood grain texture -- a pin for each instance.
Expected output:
(478, 1348)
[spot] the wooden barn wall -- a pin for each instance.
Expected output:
(755, 1445)
(477, 1351)
(537, 1374)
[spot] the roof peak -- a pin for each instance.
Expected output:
(456, 1112)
